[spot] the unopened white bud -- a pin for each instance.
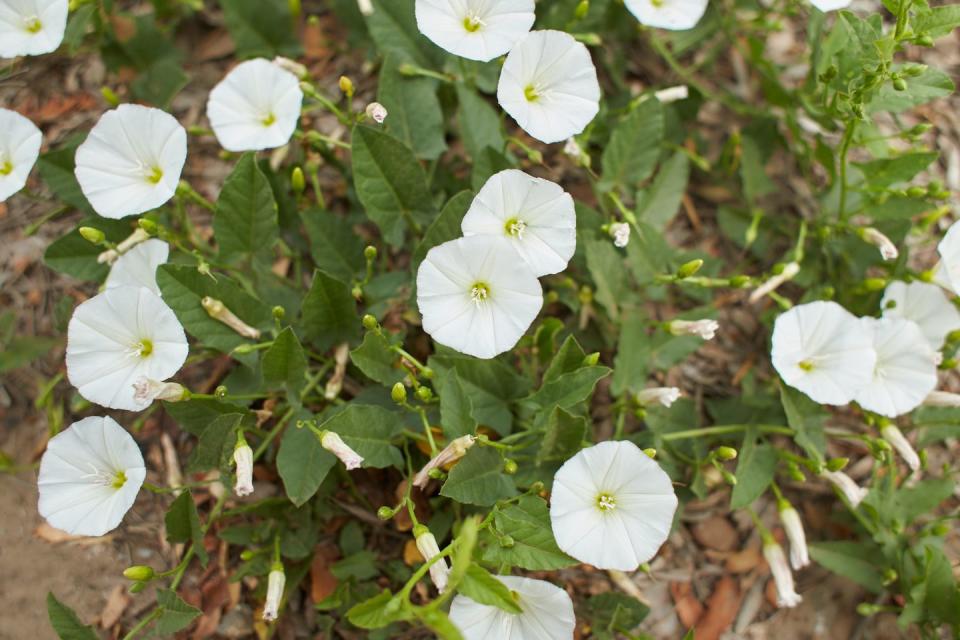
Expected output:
(853, 492)
(292, 66)
(427, 545)
(146, 390)
(942, 399)
(276, 581)
(888, 250)
(243, 458)
(452, 452)
(621, 234)
(673, 94)
(705, 329)
(787, 595)
(333, 443)
(899, 442)
(219, 311)
(799, 554)
(665, 396)
(366, 7)
(376, 112)
(772, 284)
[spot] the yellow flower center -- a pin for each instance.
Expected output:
(472, 23)
(32, 25)
(806, 365)
(479, 293)
(119, 479)
(657, 3)
(155, 175)
(515, 227)
(606, 502)
(269, 119)
(6, 168)
(144, 348)
(530, 93)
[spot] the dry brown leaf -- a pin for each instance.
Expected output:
(716, 533)
(411, 554)
(117, 602)
(721, 609)
(55, 536)
(686, 605)
(322, 581)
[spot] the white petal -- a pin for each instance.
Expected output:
(103, 340)
(924, 303)
(628, 534)
(562, 72)
(76, 475)
(832, 343)
(949, 250)
(676, 15)
(132, 160)
(830, 5)
(138, 267)
(20, 142)
(31, 27)
(547, 613)
(499, 24)
(256, 106)
(445, 282)
(906, 369)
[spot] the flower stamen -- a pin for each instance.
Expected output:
(269, 119)
(515, 227)
(32, 24)
(606, 502)
(472, 23)
(6, 168)
(806, 365)
(479, 293)
(155, 175)
(531, 93)
(143, 348)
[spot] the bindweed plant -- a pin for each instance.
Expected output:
(461, 312)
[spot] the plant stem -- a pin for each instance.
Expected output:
(726, 429)
(844, 152)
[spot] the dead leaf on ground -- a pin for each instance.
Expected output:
(322, 581)
(685, 603)
(721, 609)
(117, 602)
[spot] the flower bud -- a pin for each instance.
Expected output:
(219, 311)
(292, 66)
(278, 312)
(424, 394)
(427, 545)
(139, 572)
(92, 235)
(845, 484)
(899, 84)
(110, 97)
(243, 459)
(509, 467)
(346, 86)
(146, 390)
(365, 6)
(399, 393)
(385, 513)
(376, 112)
(507, 542)
(451, 453)
(725, 453)
(793, 526)
(591, 359)
(787, 595)
(705, 329)
(664, 396)
(333, 443)
(621, 234)
(582, 8)
(899, 442)
(298, 181)
(650, 453)
(276, 581)
(837, 464)
(370, 253)
(689, 269)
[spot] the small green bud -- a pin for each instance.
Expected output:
(385, 513)
(914, 70)
(535, 156)
(92, 235)
(112, 98)
(651, 453)
(399, 393)
(899, 84)
(370, 323)
(427, 373)
(924, 41)
(867, 609)
(837, 464)
(357, 292)
(298, 181)
(436, 474)
(148, 225)
(424, 394)
(242, 350)
(536, 487)
(689, 269)
(551, 297)
(509, 466)
(582, 8)
(247, 555)
(295, 8)
(889, 576)
(940, 529)
(370, 253)
(278, 312)
(875, 284)
(795, 473)
(220, 392)
(137, 587)
(725, 453)
(592, 359)
(139, 572)
(729, 478)
(739, 281)
(917, 192)
(507, 542)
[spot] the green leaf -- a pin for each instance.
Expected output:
(658, 204)
(393, 28)
(885, 172)
(66, 623)
(942, 596)
(24, 350)
(613, 613)
(415, 114)
(480, 586)
(439, 623)
(176, 614)
(378, 611)
(369, 430)
(753, 173)
(569, 389)
(488, 162)
(456, 408)
(215, 444)
(937, 21)
(563, 436)
(568, 359)
(73, 255)
(77, 26)
(184, 287)
(245, 222)
(445, 227)
(195, 416)
(606, 266)
(335, 248)
(183, 524)
(806, 418)
(928, 86)
(912, 502)
(376, 360)
(56, 168)
(534, 548)
(479, 479)
(479, 122)
(756, 465)
(261, 28)
(854, 560)
(329, 312)
(631, 154)
(159, 83)
(390, 183)
(285, 362)
(303, 464)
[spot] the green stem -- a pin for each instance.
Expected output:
(726, 429)
(844, 152)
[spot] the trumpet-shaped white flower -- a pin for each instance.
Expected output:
(243, 459)
(429, 549)
(547, 613)
(20, 142)
(475, 29)
(146, 391)
(948, 271)
(846, 485)
(892, 434)
(450, 453)
(131, 161)
(612, 506)
(830, 5)
(676, 15)
(924, 303)
(477, 295)
(549, 85)
(333, 443)
(276, 581)
(664, 396)
(89, 477)
(138, 266)
(799, 554)
(31, 27)
(535, 215)
(256, 106)
(787, 595)
(705, 329)
(823, 350)
(905, 371)
(117, 337)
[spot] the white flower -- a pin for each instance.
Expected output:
(333, 443)
(117, 337)
(787, 595)
(477, 295)
(429, 549)
(773, 283)
(924, 303)
(219, 312)
(146, 391)
(905, 371)
(450, 453)
(243, 458)
(612, 506)
(706, 329)
(830, 5)
(572, 148)
(31, 27)
(676, 15)
(942, 399)
(621, 234)
(949, 250)
(535, 215)
(376, 112)
(822, 349)
(853, 492)
(275, 584)
(548, 84)
(673, 94)
(888, 250)
(475, 29)
(256, 106)
(20, 142)
(292, 66)
(365, 6)
(138, 266)
(799, 554)
(131, 161)
(665, 396)
(547, 613)
(89, 477)
(899, 442)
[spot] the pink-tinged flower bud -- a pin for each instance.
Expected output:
(705, 329)
(110, 256)
(888, 250)
(799, 554)
(146, 390)
(621, 234)
(452, 452)
(218, 311)
(899, 442)
(665, 396)
(335, 445)
(275, 584)
(789, 273)
(292, 66)
(376, 112)
(853, 492)
(243, 458)
(787, 595)
(427, 545)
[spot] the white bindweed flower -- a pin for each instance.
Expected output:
(799, 554)
(429, 549)
(612, 506)
(131, 161)
(706, 329)
(822, 349)
(905, 371)
(145, 391)
(948, 272)
(942, 399)
(547, 613)
(333, 443)
(117, 337)
(787, 595)
(89, 477)
(276, 581)
(20, 142)
(830, 5)
(256, 106)
(888, 250)
(138, 266)
(535, 215)
(219, 312)
(376, 112)
(549, 85)
(31, 27)
(475, 29)
(789, 272)
(477, 295)
(850, 490)
(450, 453)
(621, 234)
(924, 303)
(665, 396)
(292, 66)
(901, 445)
(673, 94)
(676, 15)
(243, 458)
